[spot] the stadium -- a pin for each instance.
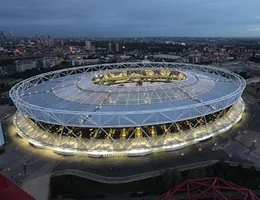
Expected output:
(127, 109)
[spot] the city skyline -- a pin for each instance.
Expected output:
(203, 18)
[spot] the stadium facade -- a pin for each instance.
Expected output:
(129, 109)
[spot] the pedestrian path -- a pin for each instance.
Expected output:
(38, 188)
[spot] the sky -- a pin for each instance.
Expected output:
(131, 18)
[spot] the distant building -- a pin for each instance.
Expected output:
(210, 49)
(117, 47)
(78, 56)
(83, 62)
(193, 58)
(50, 62)
(38, 42)
(50, 42)
(11, 34)
(23, 65)
(62, 42)
(125, 57)
(2, 71)
(88, 45)
(93, 49)
(107, 59)
(7, 70)
(166, 57)
(109, 47)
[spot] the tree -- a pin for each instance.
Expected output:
(252, 178)
(177, 177)
(167, 179)
(244, 75)
(210, 171)
(197, 173)
(242, 174)
(157, 185)
(171, 178)
(192, 174)
(201, 172)
(220, 169)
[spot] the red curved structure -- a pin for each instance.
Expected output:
(11, 191)
(208, 188)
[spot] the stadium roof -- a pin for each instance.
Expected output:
(75, 94)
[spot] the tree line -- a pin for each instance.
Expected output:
(72, 186)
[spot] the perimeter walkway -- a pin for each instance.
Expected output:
(253, 80)
(38, 187)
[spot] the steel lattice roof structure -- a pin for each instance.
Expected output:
(208, 188)
(70, 98)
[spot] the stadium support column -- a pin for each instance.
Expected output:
(123, 133)
(138, 132)
(153, 131)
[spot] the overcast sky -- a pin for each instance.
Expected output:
(131, 18)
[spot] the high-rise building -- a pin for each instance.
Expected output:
(93, 49)
(88, 45)
(50, 42)
(117, 47)
(2, 35)
(62, 42)
(23, 65)
(11, 34)
(109, 47)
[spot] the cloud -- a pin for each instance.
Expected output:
(255, 29)
(130, 18)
